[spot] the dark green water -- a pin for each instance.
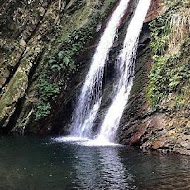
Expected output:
(28, 163)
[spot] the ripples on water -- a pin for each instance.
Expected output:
(35, 164)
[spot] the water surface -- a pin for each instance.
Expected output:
(36, 164)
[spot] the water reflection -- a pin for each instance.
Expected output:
(173, 173)
(101, 168)
(156, 172)
(36, 164)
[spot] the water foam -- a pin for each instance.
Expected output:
(125, 67)
(89, 100)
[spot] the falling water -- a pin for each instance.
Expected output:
(125, 66)
(90, 98)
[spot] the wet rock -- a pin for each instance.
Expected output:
(32, 31)
(22, 43)
(158, 128)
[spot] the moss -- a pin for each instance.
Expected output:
(60, 64)
(15, 88)
(169, 76)
(18, 84)
(141, 73)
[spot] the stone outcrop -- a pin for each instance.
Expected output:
(163, 128)
(31, 32)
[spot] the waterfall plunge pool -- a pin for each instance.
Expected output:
(40, 163)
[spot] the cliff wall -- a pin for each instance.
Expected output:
(157, 116)
(41, 45)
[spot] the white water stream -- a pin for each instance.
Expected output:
(90, 97)
(125, 66)
(89, 100)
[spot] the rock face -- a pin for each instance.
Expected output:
(41, 45)
(163, 124)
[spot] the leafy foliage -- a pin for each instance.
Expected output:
(62, 63)
(43, 110)
(170, 71)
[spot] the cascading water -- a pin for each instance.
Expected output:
(90, 98)
(125, 66)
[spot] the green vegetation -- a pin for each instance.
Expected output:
(170, 73)
(14, 91)
(60, 66)
(61, 63)
(174, 3)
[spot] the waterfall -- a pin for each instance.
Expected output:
(90, 97)
(125, 66)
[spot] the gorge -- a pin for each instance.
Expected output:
(94, 94)
(43, 68)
